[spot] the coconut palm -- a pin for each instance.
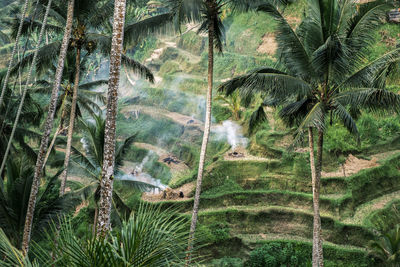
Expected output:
(387, 247)
(89, 164)
(14, 199)
(87, 100)
(233, 102)
(322, 72)
(208, 12)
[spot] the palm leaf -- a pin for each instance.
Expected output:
(138, 68)
(137, 31)
(291, 48)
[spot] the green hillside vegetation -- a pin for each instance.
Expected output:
(256, 204)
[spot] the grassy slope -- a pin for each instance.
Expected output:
(246, 204)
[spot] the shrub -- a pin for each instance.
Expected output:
(279, 254)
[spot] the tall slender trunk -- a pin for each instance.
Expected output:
(11, 63)
(53, 141)
(72, 116)
(206, 135)
(48, 128)
(106, 183)
(316, 168)
(58, 131)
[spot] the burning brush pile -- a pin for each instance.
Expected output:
(236, 154)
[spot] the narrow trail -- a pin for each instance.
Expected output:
(173, 194)
(254, 238)
(162, 113)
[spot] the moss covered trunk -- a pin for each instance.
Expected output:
(106, 184)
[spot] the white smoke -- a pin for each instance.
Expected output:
(231, 132)
(140, 176)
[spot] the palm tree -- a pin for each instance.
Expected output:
(322, 72)
(208, 12)
(87, 100)
(107, 178)
(91, 160)
(213, 26)
(14, 199)
(233, 102)
(387, 247)
(41, 159)
(86, 19)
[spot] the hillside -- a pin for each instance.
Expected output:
(263, 196)
(100, 163)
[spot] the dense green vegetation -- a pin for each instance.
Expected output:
(256, 206)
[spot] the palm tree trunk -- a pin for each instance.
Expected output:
(317, 255)
(11, 63)
(53, 141)
(59, 130)
(72, 116)
(206, 135)
(106, 183)
(48, 128)
(28, 222)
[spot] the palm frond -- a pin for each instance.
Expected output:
(257, 118)
(291, 48)
(266, 80)
(137, 31)
(185, 11)
(293, 113)
(29, 26)
(315, 118)
(366, 75)
(138, 68)
(91, 85)
(369, 17)
(12, 256)
(47, 54)
(345, 117)
(374, 99)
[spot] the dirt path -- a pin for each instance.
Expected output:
(269, 45)
(194, 59)
(352, 166)
(186, 189)
(385, 155)
(241, 154)
(364, 210)
(175, 168)
(159, 113)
